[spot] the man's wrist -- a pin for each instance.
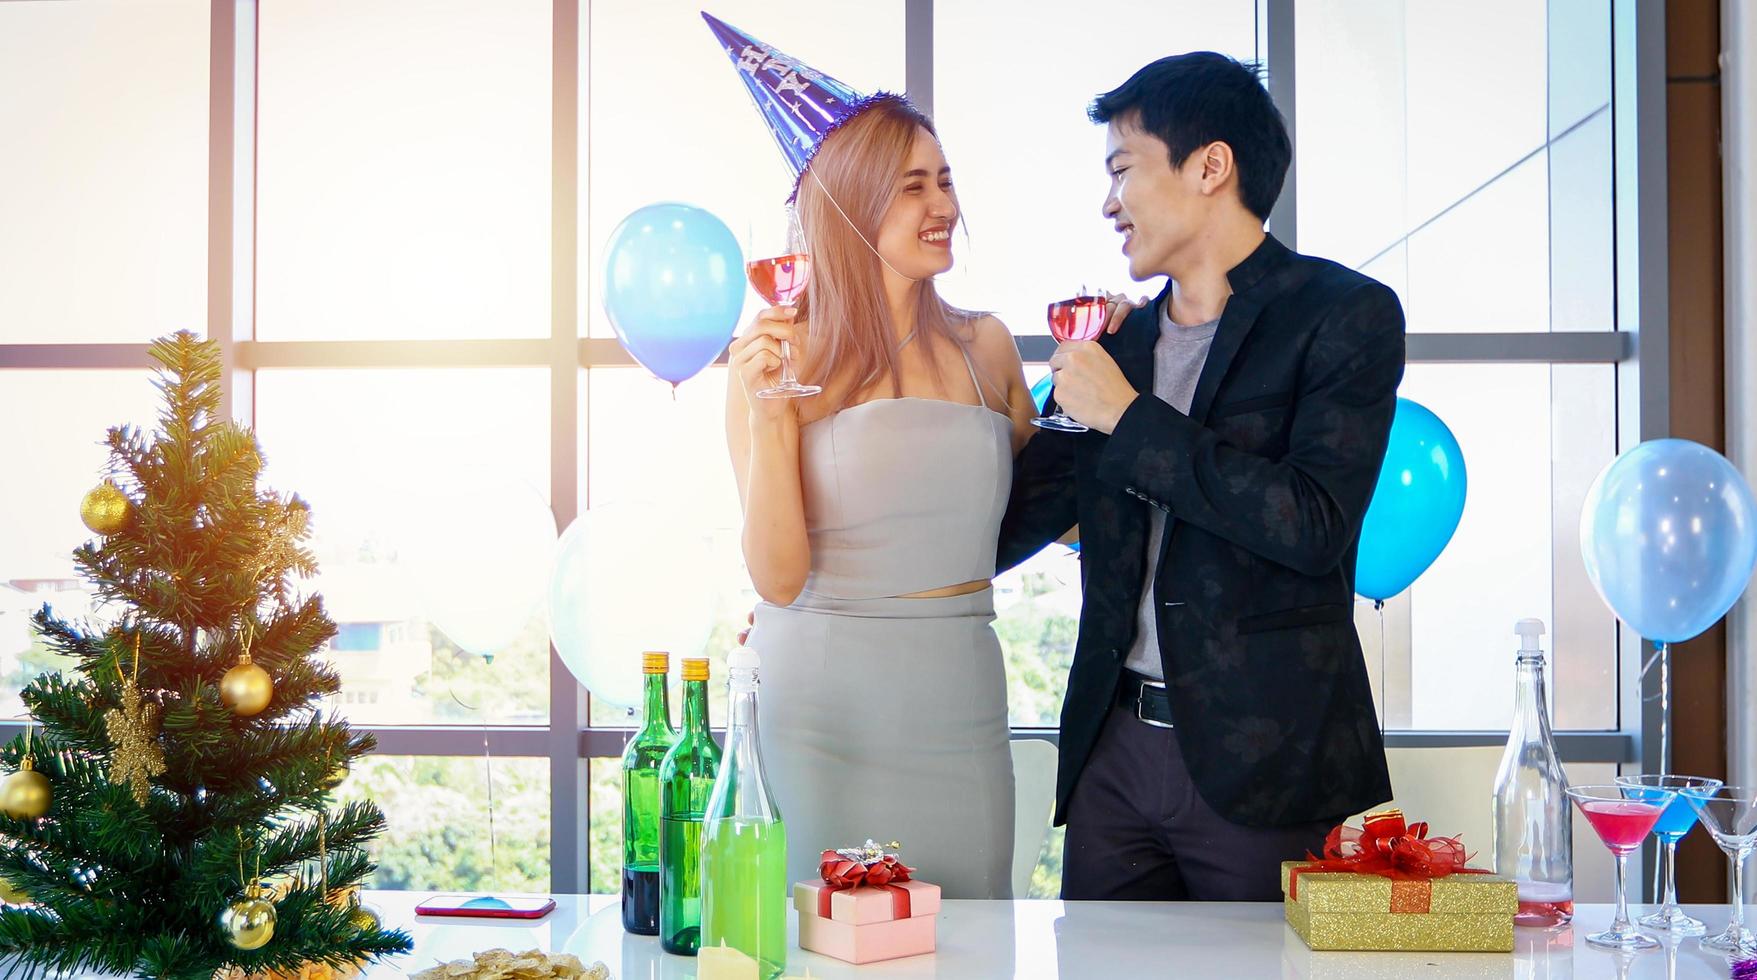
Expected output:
(1113, 414)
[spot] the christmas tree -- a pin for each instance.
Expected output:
(187, 764)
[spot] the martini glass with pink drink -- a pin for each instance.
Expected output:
(1677, 822)
(1622, 823)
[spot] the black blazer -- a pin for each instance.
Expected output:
(1264, 485)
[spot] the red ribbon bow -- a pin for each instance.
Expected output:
(1387, 846)
(867, 866)
(841, 872)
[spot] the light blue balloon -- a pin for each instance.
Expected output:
(1669, 536)
(1416, 506)
(673, 288)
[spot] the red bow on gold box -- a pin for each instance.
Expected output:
(1388, 846)
(1388, 885)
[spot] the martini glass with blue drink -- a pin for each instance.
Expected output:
(1673, 826)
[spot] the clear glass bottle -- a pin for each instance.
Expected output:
(1533, 825)
(744, 842)
(640, 801)
(686, 781)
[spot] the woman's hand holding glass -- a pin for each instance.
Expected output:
(755, 360)
(1120, 307)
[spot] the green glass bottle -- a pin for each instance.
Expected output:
(744, 843)
(640, 801)
(685, 781)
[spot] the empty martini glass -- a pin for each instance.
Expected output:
(1730, 814)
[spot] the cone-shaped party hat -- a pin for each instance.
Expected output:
(800, 105)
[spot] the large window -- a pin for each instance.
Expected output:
(379, 454)
(51, 436)
(402, 181)
(392, 216)
(103, 189)
(1462, 154)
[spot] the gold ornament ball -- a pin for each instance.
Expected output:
(364, 918)
(246, 689)
(25, 794)
(11, 895)
(249, 922)
(105, 509)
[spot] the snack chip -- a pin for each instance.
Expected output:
(502, 964)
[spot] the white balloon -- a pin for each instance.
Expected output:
(630, 578)
(478, 549)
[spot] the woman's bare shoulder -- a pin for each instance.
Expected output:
(992, 342)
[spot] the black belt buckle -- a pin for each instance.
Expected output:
(1141, 697)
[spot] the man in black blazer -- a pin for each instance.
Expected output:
(1218, 717)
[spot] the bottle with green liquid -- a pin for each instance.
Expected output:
(640, 801)
(744, 849)
(685, 782)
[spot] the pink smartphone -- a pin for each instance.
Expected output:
(487, 906)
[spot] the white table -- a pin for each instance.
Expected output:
(1046, 939)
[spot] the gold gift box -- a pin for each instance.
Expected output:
(1464, 913)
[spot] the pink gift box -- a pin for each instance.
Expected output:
(867, 924)
(868, 943)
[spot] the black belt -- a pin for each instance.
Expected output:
(1146, 697)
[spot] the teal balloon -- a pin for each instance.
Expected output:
(1040, 396)
(673, 288)
(1416, 506)
(1669, 536)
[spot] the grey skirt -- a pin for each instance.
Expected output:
(887, 718)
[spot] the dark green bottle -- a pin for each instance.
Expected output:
(640, 801)
(685, 780)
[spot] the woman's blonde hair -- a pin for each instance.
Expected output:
(850, 333)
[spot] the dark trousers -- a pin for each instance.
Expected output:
(1139, 831)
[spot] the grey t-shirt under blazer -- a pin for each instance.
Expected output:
(1178, 356)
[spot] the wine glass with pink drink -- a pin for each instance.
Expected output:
(781, 279)
(1080, 318)
(1622, 823)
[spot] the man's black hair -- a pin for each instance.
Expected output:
(1187, 101)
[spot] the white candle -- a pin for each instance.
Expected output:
(722, 962)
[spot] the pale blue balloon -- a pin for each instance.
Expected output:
(673, 288)
(1669, 536)
(1416, 506)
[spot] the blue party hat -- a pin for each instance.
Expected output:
(800, 105)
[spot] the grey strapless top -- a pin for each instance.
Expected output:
(904, 495)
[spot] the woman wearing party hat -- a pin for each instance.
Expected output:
(873, 506)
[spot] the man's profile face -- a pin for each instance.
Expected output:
(1156, 208)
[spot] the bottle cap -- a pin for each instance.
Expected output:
(1529, 630)
(743, 658)
(655, 662)
(695, 668)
